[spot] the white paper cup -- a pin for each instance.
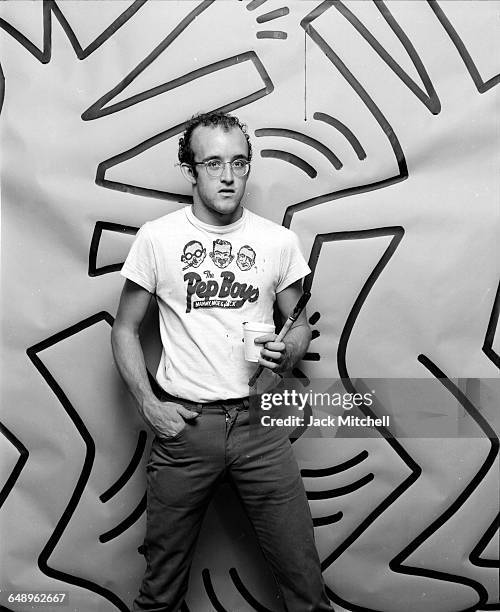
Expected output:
(252, 330)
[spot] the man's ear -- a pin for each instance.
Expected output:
(188, 173)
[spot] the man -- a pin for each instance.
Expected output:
(193, 254)
(245, 258)
(200, 419)
(221, 253)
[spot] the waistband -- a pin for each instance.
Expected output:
(244, 402)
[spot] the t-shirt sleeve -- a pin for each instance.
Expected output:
(293, 266)
(140, 265)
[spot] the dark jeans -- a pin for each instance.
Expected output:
(182, 475)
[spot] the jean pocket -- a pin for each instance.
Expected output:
(168, 439)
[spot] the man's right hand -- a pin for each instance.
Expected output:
(166, 419)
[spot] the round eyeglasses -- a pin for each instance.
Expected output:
(215, 167)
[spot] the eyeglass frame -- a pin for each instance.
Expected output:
(223, 166)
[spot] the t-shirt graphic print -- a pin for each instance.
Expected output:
(208, 280)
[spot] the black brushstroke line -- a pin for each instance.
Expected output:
(245, 593)
(396, 234)
(315, 334)
(416, 470)
(281, 12)
(474, 413)
(49, 7)
(251, 6)
(20, 463)
(301, 377)
(56, 535)
(303, 138)
(345, 131)
(276, 34)
(129, 470)
(335, 469)
(165, 135)
(96, 110)
(475, 556)
(481, 85)
(314, 318)
(327, 520)
(2, 88)
(491, 330)
(429, 97)
(306, 24)
(184, 607)
(291, 159)
(207, 583)
(350, 488)
(312, 357)
(100, 226)
(126, 523)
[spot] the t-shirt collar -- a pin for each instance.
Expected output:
(215, 229)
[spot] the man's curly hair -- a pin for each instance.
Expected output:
(214, 119)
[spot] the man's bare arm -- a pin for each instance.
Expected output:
(165, 418)
(281, 356)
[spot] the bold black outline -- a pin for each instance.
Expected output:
(481, 85)
(169, 133)
(306, 24)
(20, 463)
(129, 470)
(101, 226)
(298, 162)
(207, 583)
(429, 98)
(345, 131)
(2, 87)
(397, 563)
(280, 12)
(491, 330)
(303, 138)
(275, 34)
(339, 491)
(475, 555)
(312, 357)
(314, 318)
(97, 109)
(396, 233)
(301, 377)
(321, 521)
(335, 469)
(56, 535)
(49, 7)
(126, 523)
(245, 593)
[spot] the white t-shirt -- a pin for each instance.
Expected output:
(208, 281)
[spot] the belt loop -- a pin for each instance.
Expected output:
(245, 403)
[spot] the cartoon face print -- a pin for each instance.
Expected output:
(221, 254)
(245, 258)
(193, 254)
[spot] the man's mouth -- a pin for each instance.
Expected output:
(226, 190)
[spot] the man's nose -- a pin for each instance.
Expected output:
(227, 173)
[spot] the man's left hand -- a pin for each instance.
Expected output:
(273, 355)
